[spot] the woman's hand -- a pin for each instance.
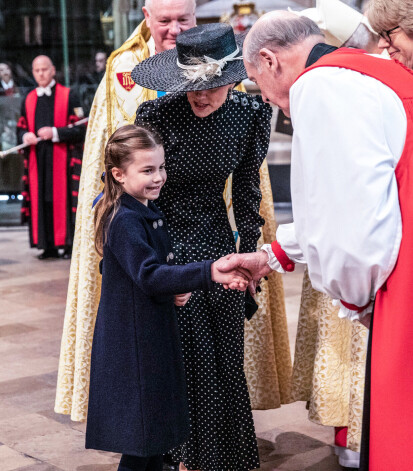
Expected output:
(181, 299)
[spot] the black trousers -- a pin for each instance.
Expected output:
(138, 463)
(48, 226)
(365, 432)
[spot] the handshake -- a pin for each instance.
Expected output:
(240, 271)
(236, 271)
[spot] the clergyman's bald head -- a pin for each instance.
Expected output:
(151, 4)
(279, 29)
(43, 70)
(42, 59)
(276, 51)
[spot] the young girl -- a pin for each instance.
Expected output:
(138, 402)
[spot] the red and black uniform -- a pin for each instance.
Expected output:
(52, 169)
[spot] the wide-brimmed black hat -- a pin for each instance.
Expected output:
(205, 57)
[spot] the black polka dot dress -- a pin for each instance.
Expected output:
(200, 154)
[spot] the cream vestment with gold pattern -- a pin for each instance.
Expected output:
(267, 354)
(329, 364)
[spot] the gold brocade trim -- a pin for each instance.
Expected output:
(126, 117)
(138, 45)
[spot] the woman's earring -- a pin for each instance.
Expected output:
(231, 95)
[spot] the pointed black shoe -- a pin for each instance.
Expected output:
(49, 253)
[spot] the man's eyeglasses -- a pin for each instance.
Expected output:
(386, 34)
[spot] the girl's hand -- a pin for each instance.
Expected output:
(237, 283)
(181, 299)
(234, 279)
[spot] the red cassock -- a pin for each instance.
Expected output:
(391, 381)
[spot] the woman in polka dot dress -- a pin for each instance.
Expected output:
(208, 133)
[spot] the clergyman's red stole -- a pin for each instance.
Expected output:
(59, 167)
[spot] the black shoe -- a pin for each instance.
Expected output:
(49, 253)
(67, 254)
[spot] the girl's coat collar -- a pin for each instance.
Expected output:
(150, 212)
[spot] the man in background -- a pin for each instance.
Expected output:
(8, 85)
(52, 161)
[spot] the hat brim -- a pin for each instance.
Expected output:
(162, 73)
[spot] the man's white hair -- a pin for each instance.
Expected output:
(149, 3)
(277, 30)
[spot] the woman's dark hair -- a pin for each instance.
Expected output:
(119, 153)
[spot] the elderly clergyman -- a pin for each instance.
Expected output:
(351, 183)
(330, 353)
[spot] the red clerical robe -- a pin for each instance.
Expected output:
(52, 170)
(389, 401)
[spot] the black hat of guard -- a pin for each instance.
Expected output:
(167, 71)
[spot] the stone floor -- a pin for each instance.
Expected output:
(33, 437)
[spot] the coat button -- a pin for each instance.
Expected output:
(235, 99)
(160, 223)
(155, 224)
(255, 105)
(244, 101)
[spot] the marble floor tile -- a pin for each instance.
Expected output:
(40, 467)
(15, 329)
(26, 367)
(15, 387)
(65, 450)
(12, 460)
(25, 427)
(34, 401)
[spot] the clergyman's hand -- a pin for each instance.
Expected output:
(233, 279)
(46, 133)
(30, 139)
(366, 320)
(255, 263)
(252, 288)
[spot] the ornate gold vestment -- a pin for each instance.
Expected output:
(267, 354)
(329, 364)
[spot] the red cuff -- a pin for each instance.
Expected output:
(282, 257)
(353, 307)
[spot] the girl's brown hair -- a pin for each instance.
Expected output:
(119, 151)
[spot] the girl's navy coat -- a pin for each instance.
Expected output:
(138, 402)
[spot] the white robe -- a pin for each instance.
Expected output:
(349, 133)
